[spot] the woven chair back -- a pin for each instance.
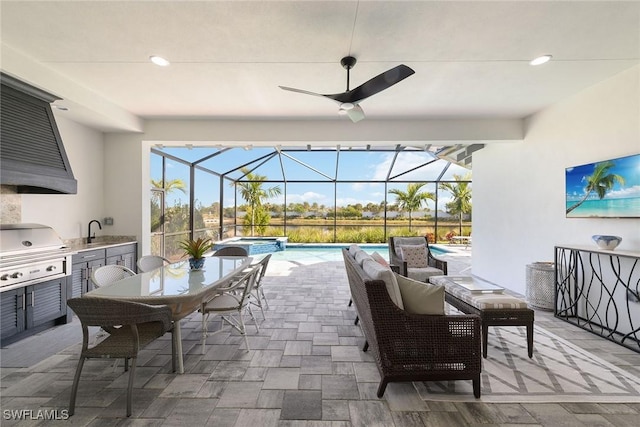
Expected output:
(108, 274)
(151, 262)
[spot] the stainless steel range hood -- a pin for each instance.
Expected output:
(32, 156)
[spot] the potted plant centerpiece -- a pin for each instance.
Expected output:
(196, 249)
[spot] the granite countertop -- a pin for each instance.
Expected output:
(101, 242)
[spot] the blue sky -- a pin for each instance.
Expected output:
(353, 166)
(627, 167)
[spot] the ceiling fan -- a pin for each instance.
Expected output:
(350, 99)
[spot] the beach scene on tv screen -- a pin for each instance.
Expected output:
(608, 189)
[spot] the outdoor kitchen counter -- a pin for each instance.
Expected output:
(102, 242)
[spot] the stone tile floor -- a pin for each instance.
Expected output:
(304, 368)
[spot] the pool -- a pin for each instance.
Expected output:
(309, 253)
(263, 245)
(255, 245)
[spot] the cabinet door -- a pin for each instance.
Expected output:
(46, 301)
(91, 266)
(125, 255)
(12, 308)
(78, 279)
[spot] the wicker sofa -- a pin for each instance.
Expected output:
(413, 347)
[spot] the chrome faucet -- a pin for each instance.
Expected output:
(89, 238)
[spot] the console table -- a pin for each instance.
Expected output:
(599, 291)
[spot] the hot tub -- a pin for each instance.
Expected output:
(255, 245)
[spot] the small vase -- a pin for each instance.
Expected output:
(196, 263)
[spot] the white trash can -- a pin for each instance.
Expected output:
(540, 285)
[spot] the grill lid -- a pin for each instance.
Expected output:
(27, 238)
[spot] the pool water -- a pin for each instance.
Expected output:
(312, 253)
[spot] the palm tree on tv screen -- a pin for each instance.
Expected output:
(412, 199)
(253, 193)
(461, 193)
(600, 181)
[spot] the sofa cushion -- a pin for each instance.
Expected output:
(380, 259)
(361, 256)
(419, 297)
(414, 255)
(353, 249)
(376, 271)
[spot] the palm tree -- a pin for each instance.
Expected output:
(157, 219)
(461, 193)
(252, 192)
(412, 199)
(600, 181)
(170, 186)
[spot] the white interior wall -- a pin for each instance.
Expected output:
(519, 189)
(69, 214)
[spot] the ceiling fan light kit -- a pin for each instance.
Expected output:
(350, 99)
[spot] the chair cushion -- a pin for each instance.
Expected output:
(379, 272)
(401, 241)
(420, 297)
(361, 256)
(414, 255)
(380, 259)
(422, 274)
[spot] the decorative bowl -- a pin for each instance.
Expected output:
(607, 242)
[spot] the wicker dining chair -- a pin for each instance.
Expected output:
(131, 326)
(151, 262)
(231, 251)
(231, 300)
(107, 274)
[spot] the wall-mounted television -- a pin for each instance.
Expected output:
(604, 189)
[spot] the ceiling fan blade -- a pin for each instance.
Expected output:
(355, 114)
(306, 92)
(375, 85)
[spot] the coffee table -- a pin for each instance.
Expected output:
(472, 295)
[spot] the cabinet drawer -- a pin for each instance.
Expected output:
(85, 256)
(120, 250)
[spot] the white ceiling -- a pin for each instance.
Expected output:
(228, 57)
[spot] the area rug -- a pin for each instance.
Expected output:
(558, 372)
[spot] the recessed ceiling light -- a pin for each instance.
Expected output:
(158, 60)
(540, 60)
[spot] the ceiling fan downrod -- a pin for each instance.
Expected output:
(348, 62)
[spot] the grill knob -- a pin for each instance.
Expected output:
(51, 268)
(16, 275)
(4, 277)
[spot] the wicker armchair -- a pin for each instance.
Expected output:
(131, 326)
(435, 266)
(151, 262)
(413, 347)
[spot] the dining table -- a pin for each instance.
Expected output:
(177, 286)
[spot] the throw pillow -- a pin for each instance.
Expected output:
(420, 297)
(415, 255)
(378, 272)
(379, 258)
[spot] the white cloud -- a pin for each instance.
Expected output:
(624, 193)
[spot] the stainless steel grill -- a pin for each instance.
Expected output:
(30, 254)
